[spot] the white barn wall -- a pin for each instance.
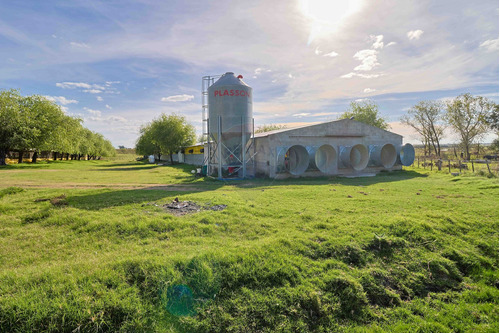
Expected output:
(338, 133)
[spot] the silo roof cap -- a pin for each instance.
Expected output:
(228, 79)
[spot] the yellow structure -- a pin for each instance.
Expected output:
(193, 150)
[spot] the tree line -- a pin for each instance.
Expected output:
(33, 123)
(468, 117)
(165, 135)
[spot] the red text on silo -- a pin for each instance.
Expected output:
(231, 92)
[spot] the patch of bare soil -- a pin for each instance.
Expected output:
(179, 208)
(56, 201)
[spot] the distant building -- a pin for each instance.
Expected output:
(343, 147)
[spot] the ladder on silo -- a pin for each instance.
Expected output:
(206, 82)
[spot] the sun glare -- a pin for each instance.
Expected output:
(327, 15)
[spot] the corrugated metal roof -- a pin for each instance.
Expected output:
(265, 134)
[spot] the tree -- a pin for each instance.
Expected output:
(365, 112)
(269, 128)
(10, 122)
(492, 119)
(165, 135)
(43, 114)
(424, 118)
(467, 115)
(171, 133)
(67, 137)
(146, 143)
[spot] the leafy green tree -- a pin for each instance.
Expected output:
(28, 122)
(366, 112)
(43, 115)
(109, 150)
(468, 115)
(425, 119)
(146, 143)
(493, 123)
(492, 119)
(10, 122)
(165, 135)
(37, 124)
(86, 145)
(66, 137)
(173, 132)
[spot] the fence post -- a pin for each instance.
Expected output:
(472, 161)
(449, 166)
(460, 166)
(488, 166)
(418, 162)
(432, 162)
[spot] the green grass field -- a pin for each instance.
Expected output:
(86, 246)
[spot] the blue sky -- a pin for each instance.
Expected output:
(119, 64)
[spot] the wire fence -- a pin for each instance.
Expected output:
(460, 166)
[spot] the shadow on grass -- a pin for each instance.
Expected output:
(115, 198)
(25, 165)
(130, 168)
(44, 164)
(383, 177)
(129, 164)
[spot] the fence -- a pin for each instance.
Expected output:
(462, 166)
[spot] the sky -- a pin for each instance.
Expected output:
(119, 64)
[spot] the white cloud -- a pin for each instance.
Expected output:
(90, 88)
(108, 120)
(490, 45)
(118, 119)
(178, 98)
(96, 113)
(82, 45)
(377, 41)
(61, 100)
(108, 107)
(414, 34)
(93, 91)
(258, 71)
(391, 44)
(300, 115)
(99, 98)
(369, 90)
(368, 60)
(364, 76)
(323, 114)
(73, 85)
(331, 54)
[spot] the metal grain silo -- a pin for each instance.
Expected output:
(230, 124)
